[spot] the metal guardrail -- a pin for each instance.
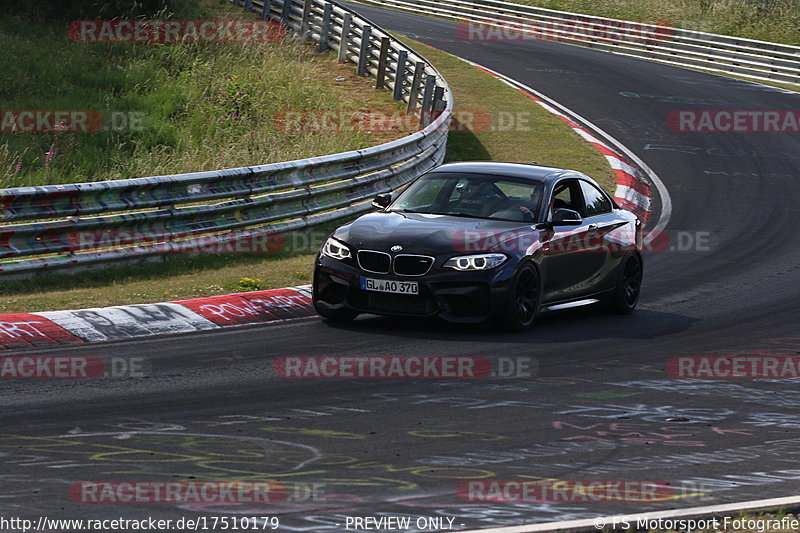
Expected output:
(165, 214)
(759, 60)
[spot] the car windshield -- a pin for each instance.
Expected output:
(473, 195)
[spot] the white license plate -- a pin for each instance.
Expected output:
(389, 285)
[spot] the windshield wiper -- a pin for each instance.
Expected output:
(406, 211)
(442, 213)
(463, 215)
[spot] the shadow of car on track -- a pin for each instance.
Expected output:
(580, 324)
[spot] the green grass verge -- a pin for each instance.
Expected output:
(532, 135)
(155, 282)
(766, 20)
(169, 108)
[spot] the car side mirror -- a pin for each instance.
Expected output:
(566, 217)
(382, 201)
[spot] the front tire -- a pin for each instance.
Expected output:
(629, 284)
(522, 301)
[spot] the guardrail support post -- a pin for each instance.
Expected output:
(363, 56)
(287, 4)
(304, 24)
(438, 98)
(438, 102)
(324, 31)
(380, 77)
(413, 91)
(345, 40)
(265, 9)
(400, 75)
(427, 96)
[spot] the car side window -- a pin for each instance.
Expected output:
(567, 195)
(596, 201)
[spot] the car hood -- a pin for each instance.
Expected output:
(426, 234)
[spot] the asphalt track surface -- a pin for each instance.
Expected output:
(600, 406)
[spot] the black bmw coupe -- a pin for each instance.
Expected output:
(483, 241)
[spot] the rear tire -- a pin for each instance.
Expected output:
(629, 284)
(522, 301)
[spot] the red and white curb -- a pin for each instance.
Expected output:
(22, 330)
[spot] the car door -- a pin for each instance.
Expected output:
(571, 253)
(599, 214)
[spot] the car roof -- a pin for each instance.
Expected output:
(515, 170)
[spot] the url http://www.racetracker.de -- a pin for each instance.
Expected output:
(200, 523)
(218, 523)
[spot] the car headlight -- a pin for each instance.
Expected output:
(335, 249)
(475, 262)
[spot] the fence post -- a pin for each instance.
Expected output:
(345, 40)
(380, 77)
(265, 10)
(400, 75)
(438, 106)
(287, 4)
(427, 96)
(363, 56)
(438, 102)
(248, 5)
(304, 24)
(413, 91)
(324, 31)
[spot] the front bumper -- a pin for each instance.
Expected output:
(467, 297)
